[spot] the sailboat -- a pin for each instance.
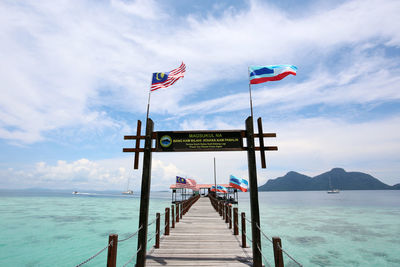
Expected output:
(128, 191)
(331, 190)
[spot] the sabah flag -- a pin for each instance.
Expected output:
(262, 74)
(238, 183)
(220, 188)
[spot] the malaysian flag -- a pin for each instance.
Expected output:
(165, 79)
(181, 182)
(191, 184)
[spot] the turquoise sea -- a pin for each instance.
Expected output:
(352, 228)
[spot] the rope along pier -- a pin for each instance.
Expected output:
(225, 210)
(198, 239)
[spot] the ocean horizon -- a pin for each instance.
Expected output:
(352, 228)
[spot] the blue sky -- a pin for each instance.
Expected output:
(76, 74)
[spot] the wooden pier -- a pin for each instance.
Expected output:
(201, 238)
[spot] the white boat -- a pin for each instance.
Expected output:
(128, 191)
(75, 192)
(331, 190)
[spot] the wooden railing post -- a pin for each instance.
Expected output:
(220, 208)
(177, 212)
(235, 221)
(230, 216)
(181, 209)
(277, 244)
(157, 245)
(166, 230)
(173, 216)
(243, 230)
(112, 250)
(226, 213)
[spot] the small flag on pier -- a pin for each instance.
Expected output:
(220, 188)
(180, 182)
(262, 74)
(238, 183)
(165, 79)
(191, 184)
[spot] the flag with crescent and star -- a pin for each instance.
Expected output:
(180, 182)
(165, 79)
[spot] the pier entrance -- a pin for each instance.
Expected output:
(191, 141)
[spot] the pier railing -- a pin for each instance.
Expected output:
(232, 219)
(171, 217)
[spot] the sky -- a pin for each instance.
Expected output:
(75, 78)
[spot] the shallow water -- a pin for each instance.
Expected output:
(353, 228)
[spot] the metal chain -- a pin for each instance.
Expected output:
(132, 257)
(265, 260)
(95, 255)
(132, 235)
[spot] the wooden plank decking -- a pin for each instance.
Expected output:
(201, 238)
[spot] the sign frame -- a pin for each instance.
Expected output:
(197, 141)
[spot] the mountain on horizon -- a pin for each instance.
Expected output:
(339, 179)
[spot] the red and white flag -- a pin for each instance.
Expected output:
(165, 79)
(191, 184)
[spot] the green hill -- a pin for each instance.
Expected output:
(337, 177)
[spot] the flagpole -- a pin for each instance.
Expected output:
(251, 100)
(148, 105)
(215, 179)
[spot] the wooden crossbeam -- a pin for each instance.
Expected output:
(260, 135)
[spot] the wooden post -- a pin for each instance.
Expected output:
(277, 244)
(112, 250)
(138, 132)
(230, 216)
(173, 216)
(181, 209)
(219, 208)
(261, 140)
(177, 212)
(223, 211)
(243, 230)
(157, 245)
(166, 231)
(226, 212)
(235, 221)
(254, 207)
(145, 196)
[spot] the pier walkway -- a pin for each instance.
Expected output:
(200, 239)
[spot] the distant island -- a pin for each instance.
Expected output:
(339, 179)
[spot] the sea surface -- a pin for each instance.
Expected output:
(352, 228)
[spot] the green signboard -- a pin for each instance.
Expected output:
(199, 141)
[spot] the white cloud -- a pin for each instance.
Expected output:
(64, 61)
